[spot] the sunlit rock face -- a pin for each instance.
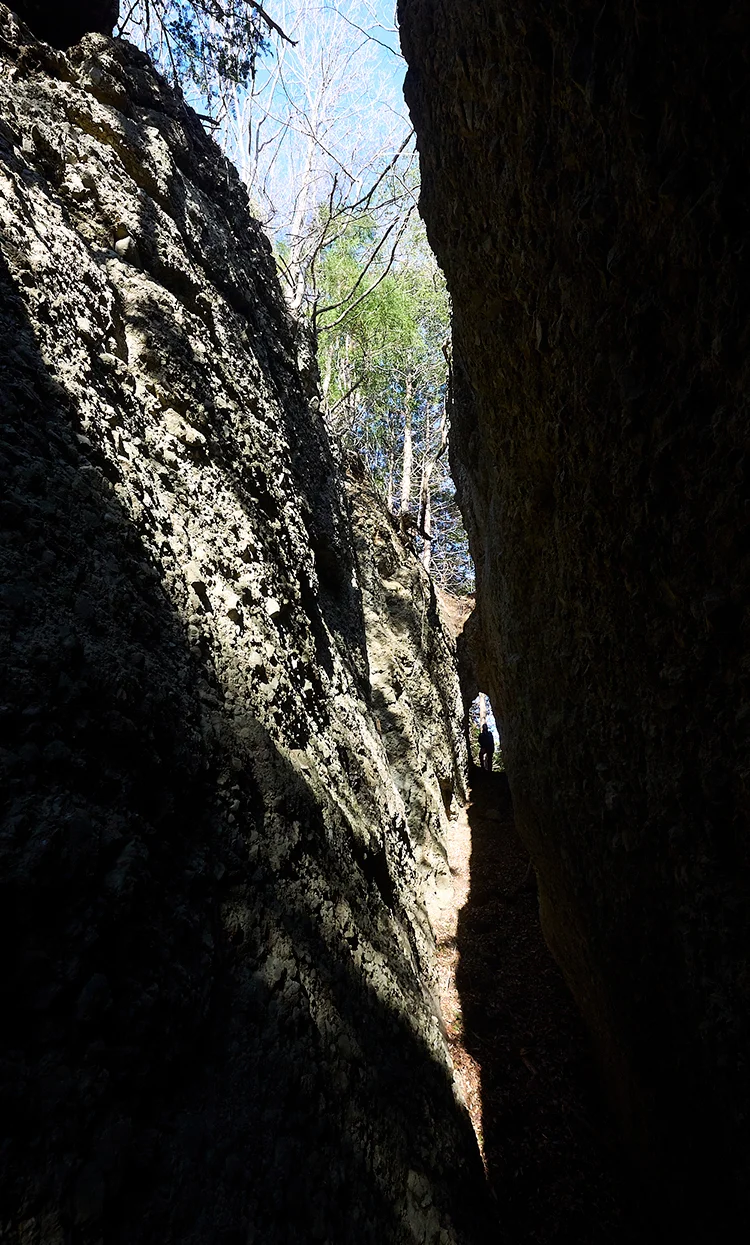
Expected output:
(228, 723)
(585, 186)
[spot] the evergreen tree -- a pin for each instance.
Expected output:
(209, 47)
(354, 258)
(385, 369)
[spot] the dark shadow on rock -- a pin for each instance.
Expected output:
(194, 1047)
(63, 27)
(106, 801)
(552, 1156)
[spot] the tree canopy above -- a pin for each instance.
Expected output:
(305, 98)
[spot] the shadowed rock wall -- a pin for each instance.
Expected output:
(585, 187)
(217, 1020)
(64, 24)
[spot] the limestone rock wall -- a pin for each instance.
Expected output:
(416, 696)
(215, 868)
(585, 187)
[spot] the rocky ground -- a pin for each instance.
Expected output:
(520, 1051)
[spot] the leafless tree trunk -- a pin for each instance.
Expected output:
(313, 154)
(429, 462)
(426, 554)
(298, 241)
(408, 449)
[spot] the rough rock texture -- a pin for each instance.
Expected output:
(227, 729)
(416, 697)
(585, 186)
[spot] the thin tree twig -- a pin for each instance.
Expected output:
(375, 284)
(348, 394)
(121, 25)
(366, 199)
(270, 22)
(332, 8)
(365, 270)
(352, 306)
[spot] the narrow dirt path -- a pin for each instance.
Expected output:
(519, 1047)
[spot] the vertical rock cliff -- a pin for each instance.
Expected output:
(228, 723)
(585, 186)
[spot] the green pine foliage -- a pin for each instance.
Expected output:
(381, 354)
(207, 47)
(353, 255)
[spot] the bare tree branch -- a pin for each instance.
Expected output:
(366, 200)
(363, 273)
(348, 394)
(124, 21)
(375, 284)
(364, 32)
(272, 25)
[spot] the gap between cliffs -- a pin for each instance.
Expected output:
(231, 735)
(521, 1053)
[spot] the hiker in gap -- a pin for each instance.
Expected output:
(486, 747)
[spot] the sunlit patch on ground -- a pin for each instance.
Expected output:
(467, 1070)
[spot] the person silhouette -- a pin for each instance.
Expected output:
(486, 747)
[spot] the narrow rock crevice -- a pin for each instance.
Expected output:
(585, 189)
(524, 1060)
